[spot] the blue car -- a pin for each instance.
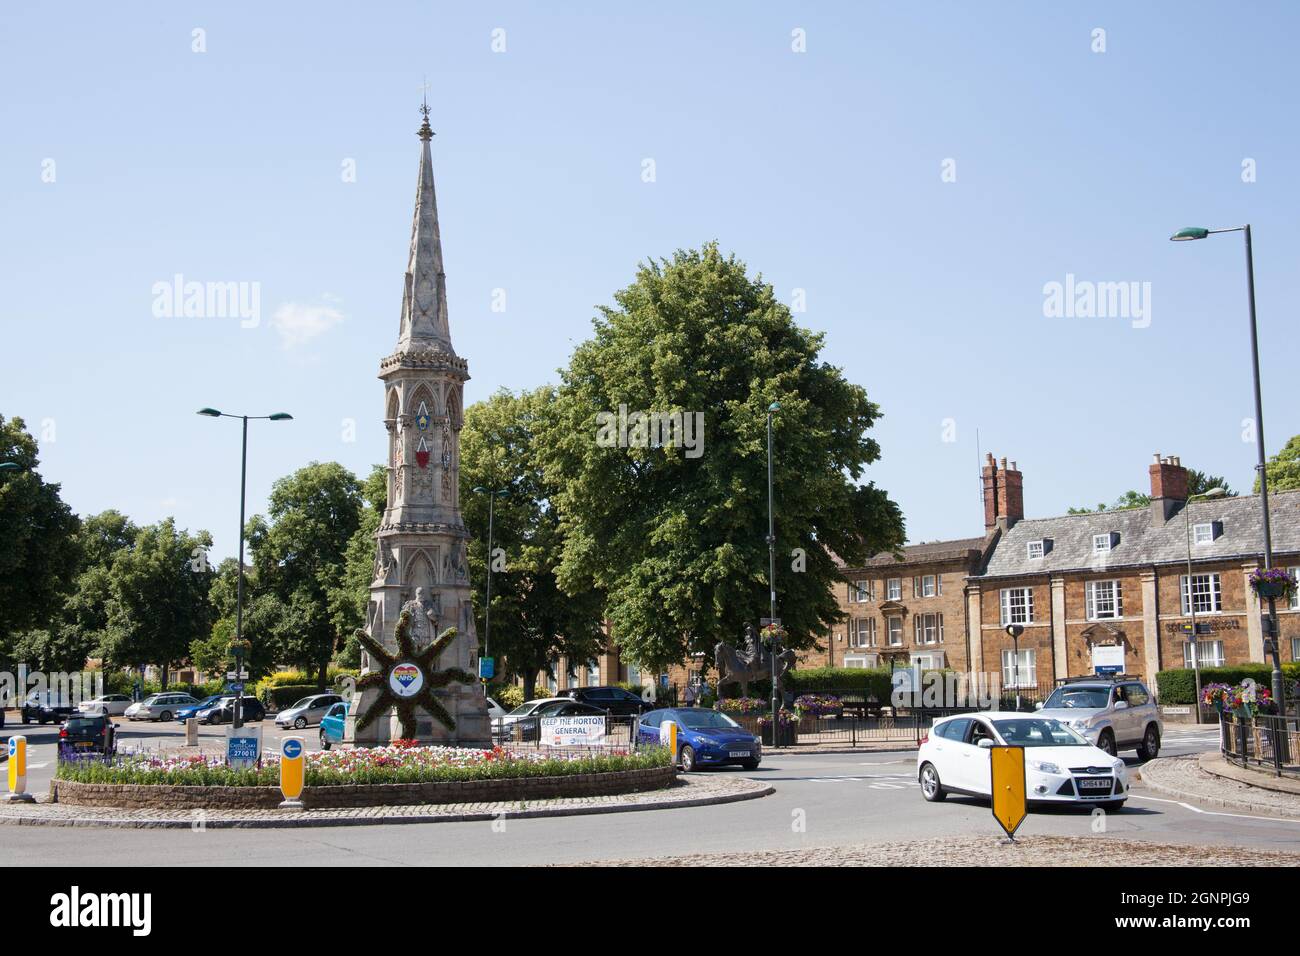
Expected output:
(193, 709)
(331, 725)
(704, 738)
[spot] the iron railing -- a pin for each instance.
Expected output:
(1264, 741)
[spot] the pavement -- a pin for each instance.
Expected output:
(1207, 779)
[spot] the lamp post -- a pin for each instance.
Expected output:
(237, 716)
(487, 603)
(1274, 640)
(771, 564)
(1015, 630)
(1191, 605)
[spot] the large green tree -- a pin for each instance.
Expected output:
(534, 622)
(299, 558)
(158, 597)
(675, 535)
(350, 600)
(39, 554)
(1283, 469)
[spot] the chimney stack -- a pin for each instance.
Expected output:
(1004, 497)
(1168, 486)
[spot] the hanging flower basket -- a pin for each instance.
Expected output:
(1274, 583)
(774, 632)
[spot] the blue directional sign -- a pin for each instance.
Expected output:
(292, 748)
(486, 667)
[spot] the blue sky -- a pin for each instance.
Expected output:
(820, 169)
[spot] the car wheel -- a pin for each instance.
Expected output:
(324, 741)
(1150, 746)
(1106, 742)
(165, 715)
(931, 788)
(688, 758)
(300, 723)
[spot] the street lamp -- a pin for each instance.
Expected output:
(10, 466)
(1199, 232)
(236, 720)
(1191, 605)
(487, 604)
(771, 564)
(1015, 630)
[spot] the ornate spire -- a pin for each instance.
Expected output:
(424, 303)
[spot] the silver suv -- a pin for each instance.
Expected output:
(1113, 714)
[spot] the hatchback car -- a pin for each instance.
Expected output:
(223, 711)
(307, 712)
(1061, 766)
(704, 738)
(185, 713)
(158, 706)
(88, 734)
(43, 707)
(109, 705)
(1113, 714)
(332, 725)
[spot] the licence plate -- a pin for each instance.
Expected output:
(738, 753)
(84, 744)
(1095, 784)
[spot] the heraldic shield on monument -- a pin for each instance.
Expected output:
(419, 641)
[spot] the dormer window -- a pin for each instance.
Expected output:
(1034, 550)
(1103, 543)
(1207, 532)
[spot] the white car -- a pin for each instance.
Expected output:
(109, 705)
(1061, 767)
(1114, 714)
(495, 710)
(159, 707)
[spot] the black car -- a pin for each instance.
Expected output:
(223, 711)
(612, 700)
(528, 728)
(45, 709)
(87, 734)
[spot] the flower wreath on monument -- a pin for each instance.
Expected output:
(406, 680)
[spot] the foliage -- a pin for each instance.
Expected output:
(1198, 483)
(818, 705)
(1278, 582)
(299, 558)
(1283, 469)
(285, 695)
(677, 538)
(744, 705)
(508, 696)
(873, 681)
(1178, 686)
(353, 595)
(534, 621)
(359, 767)
(157, 603)
(39, 554)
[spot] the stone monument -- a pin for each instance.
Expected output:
(420, 552)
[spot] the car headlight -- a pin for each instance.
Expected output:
(709, 742)
(1045, 766)
(1119, 765)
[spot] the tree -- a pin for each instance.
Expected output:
(38, 548)
(158, 602)
(349, 601)
(264, 625)
(299, 558)
(674, 530)
(1198, 483)
(534, 622)
(1283, 469)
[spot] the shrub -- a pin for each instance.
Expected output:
(508, 696)
(821, 679)
(287, 695)
(1178, 686)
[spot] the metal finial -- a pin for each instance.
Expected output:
(425, 132)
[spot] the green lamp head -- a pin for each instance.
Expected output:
(1189, 233)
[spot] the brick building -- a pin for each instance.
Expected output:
(1112, 586)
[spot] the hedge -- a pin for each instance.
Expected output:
(1178, 686)
(869, 680)
(286, 695)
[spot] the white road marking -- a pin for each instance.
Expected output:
(1215, 813)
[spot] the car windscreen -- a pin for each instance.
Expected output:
(525, 709)
(1079, 698)
(305, 702)
(79, 725)
(705, 719)
(1037, 732)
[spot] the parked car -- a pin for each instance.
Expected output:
(158, 706)
(332, 725)
(1061, 766)
(704, 738)
(307, 711)
(612, 700)
(88, 733)
(46, 707)
(495, 710)
(223, 711)
(1114, 714)
(185, 713)
(107, 705)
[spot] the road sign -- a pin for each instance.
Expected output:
(237, 675)
(243, 746)
(292, 769)
(237, 688)
(668, 737)
(1200, 628)
(487, 667)
(1007, 765)
(17, 764)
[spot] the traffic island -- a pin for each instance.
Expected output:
(696, 790)
(351, 779)
(1209, 779)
